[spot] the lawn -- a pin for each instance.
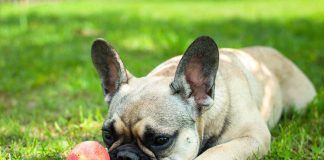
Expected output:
(50, 97)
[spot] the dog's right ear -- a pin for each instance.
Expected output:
(196, 72)
(109, 66)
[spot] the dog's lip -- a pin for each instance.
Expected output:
(142, 154)
(116, 144)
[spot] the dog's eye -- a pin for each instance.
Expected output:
(157, 141)
(108, 138)
(161, 140)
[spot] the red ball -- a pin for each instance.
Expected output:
(88, 150)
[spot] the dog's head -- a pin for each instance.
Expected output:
(156, 117)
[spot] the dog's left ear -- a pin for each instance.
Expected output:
(111, 69)
(196, 72)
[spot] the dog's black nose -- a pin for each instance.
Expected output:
(126, 155)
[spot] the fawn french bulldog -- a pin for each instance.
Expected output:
(210, 103)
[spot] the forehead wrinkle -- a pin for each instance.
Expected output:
(120, 126)
(165, 113)
(140, 126)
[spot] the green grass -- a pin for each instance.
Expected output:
(50, 97)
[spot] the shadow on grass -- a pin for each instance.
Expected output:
(55, 46)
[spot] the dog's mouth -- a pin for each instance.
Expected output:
(128, 152)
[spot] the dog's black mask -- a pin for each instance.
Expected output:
(128, 152)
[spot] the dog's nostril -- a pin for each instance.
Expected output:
(125, 155)
(124, 158)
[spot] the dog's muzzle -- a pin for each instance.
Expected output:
(128, 152)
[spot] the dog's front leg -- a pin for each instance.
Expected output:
(239, 148)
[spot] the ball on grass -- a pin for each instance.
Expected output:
(88, 150)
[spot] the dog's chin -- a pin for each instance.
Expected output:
(129, 152)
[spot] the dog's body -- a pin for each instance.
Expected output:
(194, 112)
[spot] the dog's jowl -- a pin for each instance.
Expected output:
(210, 103)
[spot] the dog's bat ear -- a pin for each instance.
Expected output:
(196, 72)
(109, 66)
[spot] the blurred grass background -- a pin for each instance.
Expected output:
(50, 95)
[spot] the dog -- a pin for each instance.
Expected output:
(210, 103)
